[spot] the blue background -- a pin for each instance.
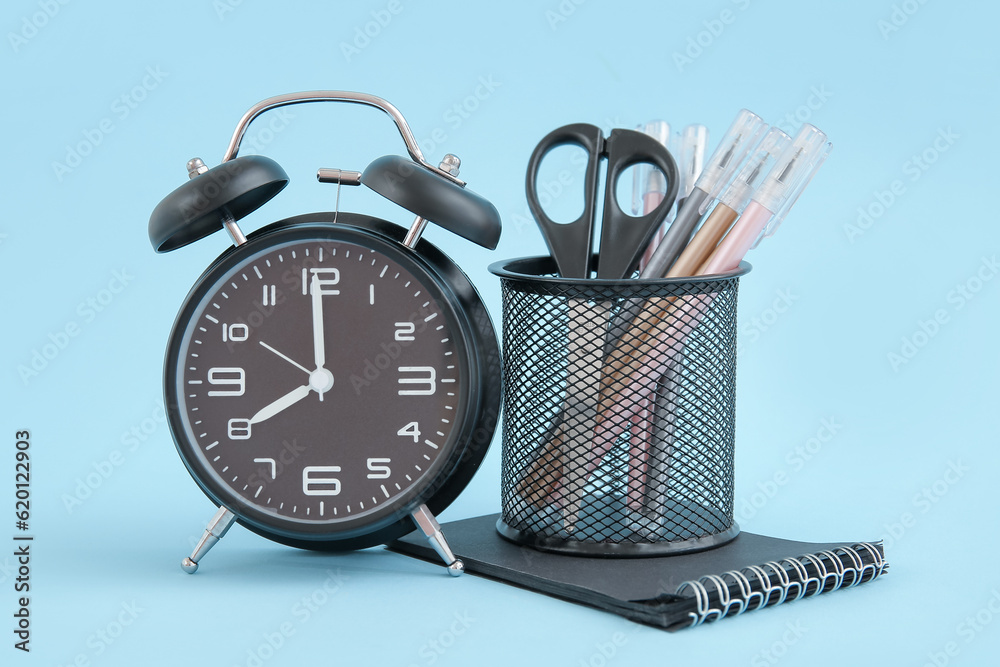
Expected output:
(143, 88)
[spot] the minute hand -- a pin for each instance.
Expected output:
(319, 347)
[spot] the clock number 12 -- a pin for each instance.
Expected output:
(325, 277)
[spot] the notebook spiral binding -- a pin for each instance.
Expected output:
(775, 582)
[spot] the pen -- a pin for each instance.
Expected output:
(691, 159)
(784, 182)
(700, 247)
(690, 148)
(650, 186)
(741, 136)
(745, 131)
(655, 343)
(731, 204)
(776, 195)
(652, 350)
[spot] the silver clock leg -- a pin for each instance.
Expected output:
(432, 531)
(214, 532)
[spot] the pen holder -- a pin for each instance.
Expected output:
(619, 411)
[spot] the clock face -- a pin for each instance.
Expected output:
(320, 381)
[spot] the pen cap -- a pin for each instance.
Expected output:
(756, 169)
(795, 168)
(691, 157)
(647, 179)
(741, 136)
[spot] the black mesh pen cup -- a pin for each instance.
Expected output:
(619, 411)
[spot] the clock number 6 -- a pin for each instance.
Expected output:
(317, 482)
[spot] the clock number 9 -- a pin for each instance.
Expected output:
(231, 377)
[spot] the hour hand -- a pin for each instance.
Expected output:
(288, 400)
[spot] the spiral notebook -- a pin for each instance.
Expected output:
(670, 592)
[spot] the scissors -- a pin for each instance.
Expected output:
(623, 237)
(559, 476)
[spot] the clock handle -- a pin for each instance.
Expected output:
(335, 96)
(431, 529)
(214, 531)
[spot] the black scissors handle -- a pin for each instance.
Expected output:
(623, 237)
(569, 243)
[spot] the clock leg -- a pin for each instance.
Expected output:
(431, 529)
(214, 532)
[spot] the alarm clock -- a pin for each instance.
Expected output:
(332, 380)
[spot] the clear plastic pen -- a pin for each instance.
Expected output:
(657, 415)
(736, 144)
(773, 199)
(731, 204)
(650, 186)
(649, 483)
(653, 350)
(691, 159)
(741, 137)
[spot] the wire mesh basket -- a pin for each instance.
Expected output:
(619, 411)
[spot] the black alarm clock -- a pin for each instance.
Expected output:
(332, 380)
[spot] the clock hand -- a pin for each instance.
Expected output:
(288, 400)
(319, 348)
(286, 358)
(319, 339)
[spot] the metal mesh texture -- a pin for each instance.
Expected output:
(619, 416)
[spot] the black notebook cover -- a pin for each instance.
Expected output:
(670, 592)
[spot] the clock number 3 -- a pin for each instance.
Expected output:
(428, 383)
